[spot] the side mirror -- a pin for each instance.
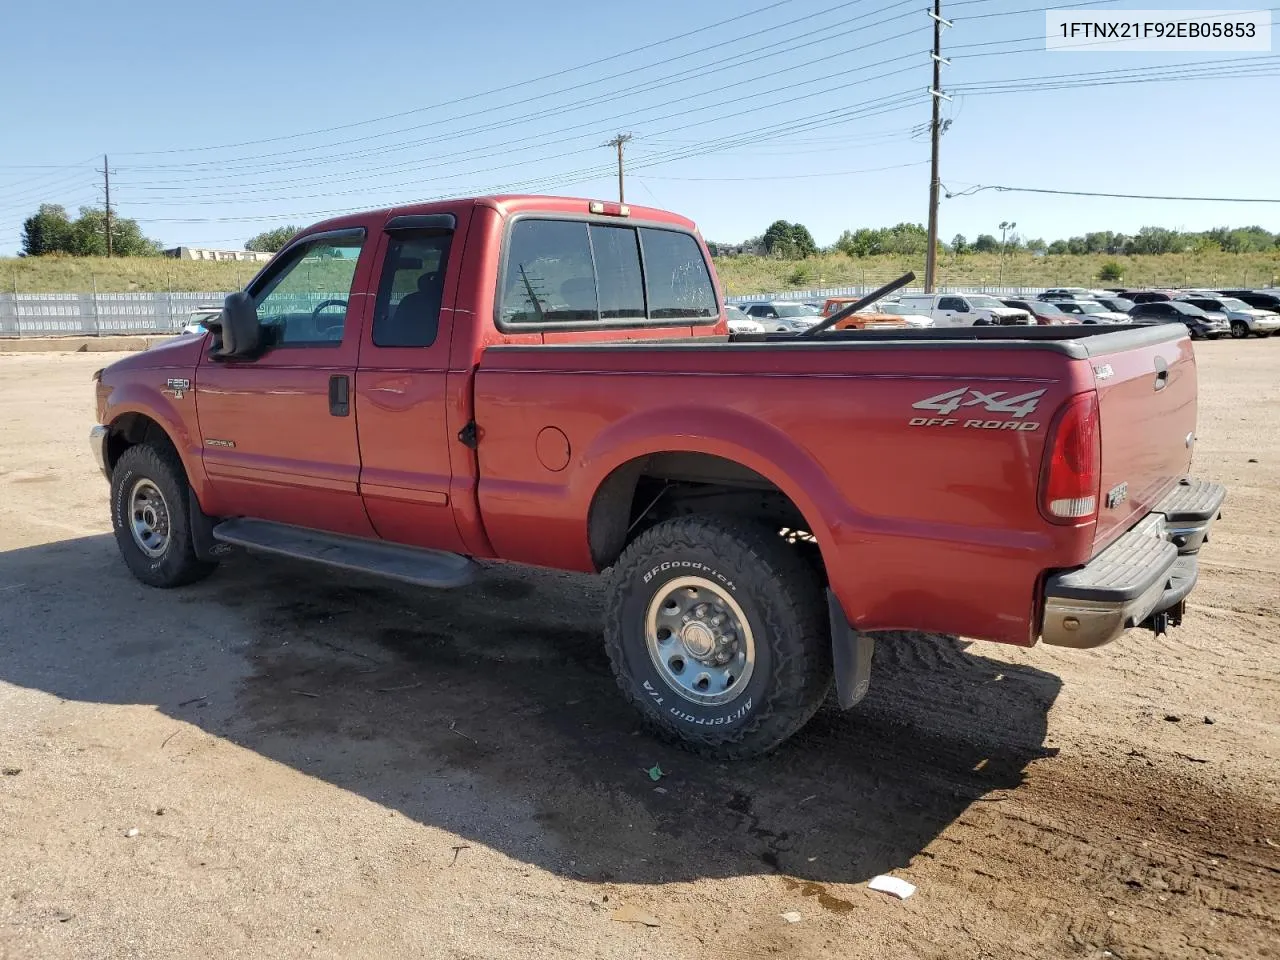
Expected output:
(238, 329)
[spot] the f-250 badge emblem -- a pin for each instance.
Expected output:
(988, 401)
(179, 387)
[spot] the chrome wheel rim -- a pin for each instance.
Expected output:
(149, 518)
(700, 641)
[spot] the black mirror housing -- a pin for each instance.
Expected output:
(240, 333)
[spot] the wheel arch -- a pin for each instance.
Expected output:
(725, 449)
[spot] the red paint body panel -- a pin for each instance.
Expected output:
(926, 520)
(933, 528)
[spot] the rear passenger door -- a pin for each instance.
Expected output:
(402, 391)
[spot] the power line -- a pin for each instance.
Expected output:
(774, 48)
(789, 176)
(247, 194)
(542, 97)
(978, 188)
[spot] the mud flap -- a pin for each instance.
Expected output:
(202, 541)
(850, 656)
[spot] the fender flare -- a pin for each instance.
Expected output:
(135, 398)
(733, 436)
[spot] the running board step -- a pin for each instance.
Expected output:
(427, 568)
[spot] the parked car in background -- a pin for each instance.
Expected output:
(899, 309)
(783, 316)
(739, 322)
(1151, 296)
(1063, 293)
(1262, 299)
(1244, 319)
(963, 309)
(1045, 313)
(1201, 325)
(872, 317)
(1115, 304)
(1090, 311)
(196, 323)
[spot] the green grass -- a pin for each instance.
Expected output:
(744, 275)
(740, 275)
(122, 275)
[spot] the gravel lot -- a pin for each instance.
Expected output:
(323, 765)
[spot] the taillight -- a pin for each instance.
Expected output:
(1073, 463)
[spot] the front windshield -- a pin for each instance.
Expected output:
(986, 303)
(733, 313)
(1121, 305)
(1091, 308)
(796, 310)
(1047, 308)
(1233, 304)
(1189, 309)
(894, 308)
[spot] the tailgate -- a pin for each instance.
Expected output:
(1147, 402)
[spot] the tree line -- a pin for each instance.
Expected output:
(793, 241)
(51, 230)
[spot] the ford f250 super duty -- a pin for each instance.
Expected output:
(550, 381)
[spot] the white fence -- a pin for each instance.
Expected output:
(103, 314)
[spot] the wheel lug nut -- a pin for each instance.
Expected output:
(700, 610)
(717, 619)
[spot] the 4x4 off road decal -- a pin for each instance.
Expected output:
(988, 401)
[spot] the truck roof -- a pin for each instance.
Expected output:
(508, 204)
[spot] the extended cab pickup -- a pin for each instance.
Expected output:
(550, 381)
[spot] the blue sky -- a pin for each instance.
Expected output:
(808, 110)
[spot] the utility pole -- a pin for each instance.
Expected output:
(617, 142)
(1005, 227)
(935, 181)
(106, 186)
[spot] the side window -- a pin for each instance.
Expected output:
(952, 303)
(676, 276)
(619, 282)
(407, 312)
(306, 302)
(549, 275)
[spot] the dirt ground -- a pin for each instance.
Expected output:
(323, 765)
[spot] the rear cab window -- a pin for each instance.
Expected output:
(579, 274)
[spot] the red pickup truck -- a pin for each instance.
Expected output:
(550, 381)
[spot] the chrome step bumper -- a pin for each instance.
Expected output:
(1141, 579)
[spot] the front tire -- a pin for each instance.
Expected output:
(149, 513)
(1239, 329)
(717, 632)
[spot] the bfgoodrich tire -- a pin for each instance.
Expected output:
(149, 514)
(717, 632)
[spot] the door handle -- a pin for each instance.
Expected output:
(1162, 373)
(339, 395)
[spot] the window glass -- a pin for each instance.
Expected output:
(306, 302)
(952, 303)
(407, 313)
(676, 276)
(619, 282)
(549, 278)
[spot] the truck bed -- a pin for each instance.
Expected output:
(914, 455)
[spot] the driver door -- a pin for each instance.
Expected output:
(279, 431)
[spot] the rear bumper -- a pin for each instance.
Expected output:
(1141, 579)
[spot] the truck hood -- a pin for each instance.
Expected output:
(181, 351)
(1005, 311)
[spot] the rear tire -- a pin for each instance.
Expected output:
(711, 579)
(149, 512)
(1239, 330)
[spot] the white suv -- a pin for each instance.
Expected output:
(964, 309)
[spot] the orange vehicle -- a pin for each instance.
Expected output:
(861, 320)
